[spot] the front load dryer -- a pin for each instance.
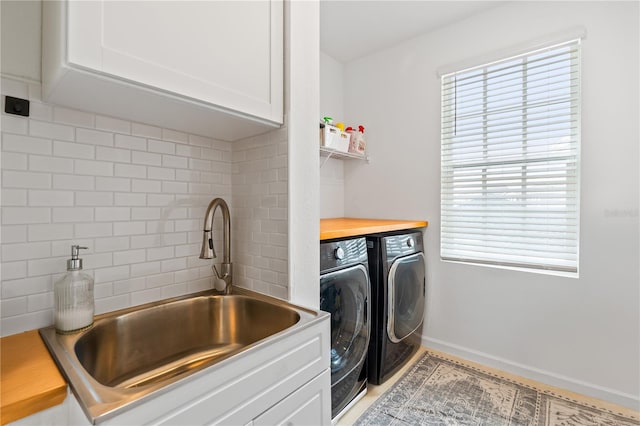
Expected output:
(398, 286)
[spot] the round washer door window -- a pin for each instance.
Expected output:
(406, 296)
(344, 294)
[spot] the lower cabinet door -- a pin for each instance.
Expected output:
(309, 405)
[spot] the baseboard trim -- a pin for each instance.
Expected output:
(542, 376)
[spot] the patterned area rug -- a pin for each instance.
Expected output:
(441, 391)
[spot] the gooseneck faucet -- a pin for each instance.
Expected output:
(207, 251)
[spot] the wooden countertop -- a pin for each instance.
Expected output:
(351, 227)
(29, 378)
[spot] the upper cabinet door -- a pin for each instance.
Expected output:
(224, 54)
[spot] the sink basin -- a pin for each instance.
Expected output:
(154, 344)
(130, 354)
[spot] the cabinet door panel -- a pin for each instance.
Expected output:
(226, 53)
(309, 405)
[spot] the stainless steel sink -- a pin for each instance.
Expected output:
(130, 354)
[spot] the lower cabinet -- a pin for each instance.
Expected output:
(309, 405)
(286, 381)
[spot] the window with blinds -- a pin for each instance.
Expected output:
(510, 161)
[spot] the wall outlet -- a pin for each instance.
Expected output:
(16, 106)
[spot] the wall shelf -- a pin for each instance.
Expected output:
(332, 153)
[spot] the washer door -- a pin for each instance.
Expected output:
(406, 287)
(345, 295)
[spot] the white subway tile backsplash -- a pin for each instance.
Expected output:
(112, 124)
(129, 199)
(175, 162)
(129, 228)
(130, 170)
(48, 164)
(130, 142)
(94, 137)
(129, 286)
(160, 199)
(50, 231)
(139, 129)
(114, 273)
(145, 269)
(26, 286)
(15, 179)
(135, 195)
(117, 155)
(14, 197)
(145, 296)
(73, 150)
(39, 111)
(73, 117)
(50, 198)
(161, 147)
(14, 233)
(93, 168)
(161, 173)
(14, 270)
(147, 158)
(51, 130)
(159, 280)
(13, 307)
(204, 165)
(172, 135)
(160, 253)
(84, 198)
(90, 230)
(40, 302)
(14, 124)
(72, 214)
(14, 161)
(25, 215)
(26, 144)
(111, 244)
(113, 184)
(96, 260)
(112, 214)
(188, 151)
(73, 182)
(175, 187)
(145, 213)
(48, 266)
(143, 185)
(127, 257)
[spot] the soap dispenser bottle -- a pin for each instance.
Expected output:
(73, 293)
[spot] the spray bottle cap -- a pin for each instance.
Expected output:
(75, 263)
(361, 128)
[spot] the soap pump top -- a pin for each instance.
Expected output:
(75, 263)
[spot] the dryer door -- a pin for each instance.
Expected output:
(345, 295)
(406, 296)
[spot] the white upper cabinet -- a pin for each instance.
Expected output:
(207, 67)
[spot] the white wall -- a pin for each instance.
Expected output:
(582, 334)
(331, 105)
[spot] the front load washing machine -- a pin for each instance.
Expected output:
(344, 293)
(398, 286)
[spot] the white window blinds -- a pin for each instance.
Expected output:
(510, 157)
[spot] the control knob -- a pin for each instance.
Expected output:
(339, 253)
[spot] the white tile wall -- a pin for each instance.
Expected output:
(260, 213)
(136, 196)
